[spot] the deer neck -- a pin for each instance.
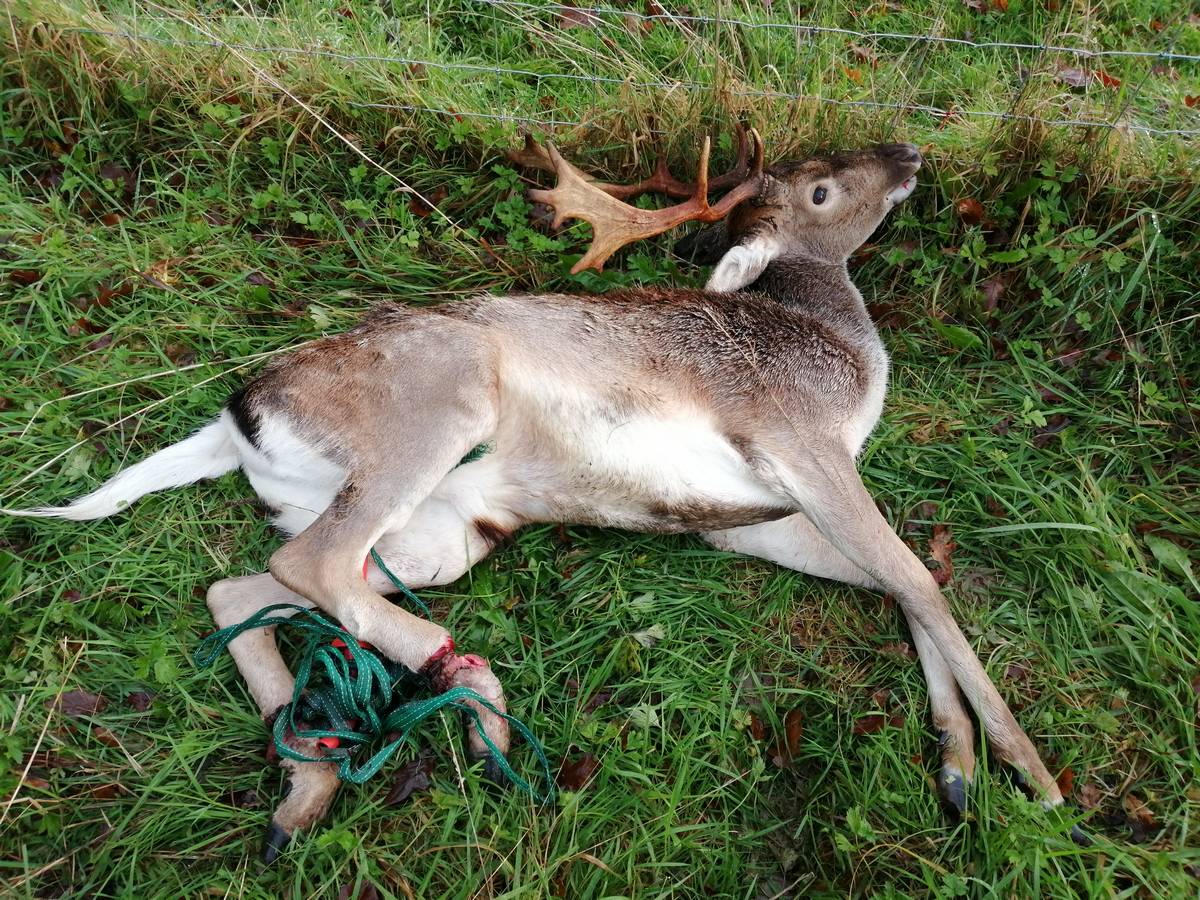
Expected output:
(821, 289)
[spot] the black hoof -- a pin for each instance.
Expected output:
(953, 789)
(276, 842)
(493, 773)
(1080, 837)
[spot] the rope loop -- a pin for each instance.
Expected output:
(350, 698)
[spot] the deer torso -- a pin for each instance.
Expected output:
(646, 409)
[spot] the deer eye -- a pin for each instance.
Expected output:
(819, 196)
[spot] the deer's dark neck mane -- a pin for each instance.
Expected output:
(823, 290)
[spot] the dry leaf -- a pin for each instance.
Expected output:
(788, 745)
(993, 289)
(1074, 77)
(368, 891)
(869, 724)
(1107, 80)
(411, 778)
(1137, 810)
(1066, 781)
(898, 650)
(25, 277)
(865, 54)
(104, 736)
(420, 208)
(81, 703)
(1192, 100)
(1018, 671)
(259, 279)
(970, 211)
(570, 17)
(941, 548)
(1089, 796)
(140, 700)
(758, 730)
(574, 774)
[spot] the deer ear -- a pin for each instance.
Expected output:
(742, 265)
(704, 247)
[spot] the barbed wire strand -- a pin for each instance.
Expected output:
(598, 11)
(554, 122)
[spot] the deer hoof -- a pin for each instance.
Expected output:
(494, 774)
(473, 672)
(952, 787)
(275, 843)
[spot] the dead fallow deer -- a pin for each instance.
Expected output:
(733, 412)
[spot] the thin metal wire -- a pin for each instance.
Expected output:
(598, 11)
(694, 86)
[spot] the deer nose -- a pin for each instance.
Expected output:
(901, 153)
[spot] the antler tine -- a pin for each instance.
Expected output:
(615, 223)
(531, 156)
(534, 156)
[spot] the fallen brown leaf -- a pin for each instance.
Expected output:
(418, 207)
(33, 781)
(941, 549)
(574, 774)
(865, 54)
(758, 730)
(1074, 77)
(1191, 101)
(81, 703)
(1137, 810)
(869, 724)
(1066, 781)
(788, 745)
(1107, 80)
(140, 700)
(104, 736)
(25, 277)
(412, 777)
(367, 891)
(993, 289)
(570, 17)
(247, 799)
(970, 211)
(259, 279)
(898, 650)
(1018, 671)
(1089, 796)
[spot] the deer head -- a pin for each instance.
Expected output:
(822, 208)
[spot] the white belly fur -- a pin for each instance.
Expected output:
(617, 466)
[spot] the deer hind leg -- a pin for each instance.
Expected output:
(446, 536)
(829, 490)
(390, 471)
(311, 786)
(796, 543)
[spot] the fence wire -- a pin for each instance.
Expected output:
(598, 14)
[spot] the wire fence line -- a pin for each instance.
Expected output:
(551, 121)
(809, 29)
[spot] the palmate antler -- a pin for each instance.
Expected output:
(616, 223)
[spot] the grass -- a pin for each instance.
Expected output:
(170, 214)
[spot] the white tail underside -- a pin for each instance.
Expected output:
(209, 452)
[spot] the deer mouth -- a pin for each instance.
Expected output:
(901, 192)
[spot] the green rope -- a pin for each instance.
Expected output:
(360, 697)
(399, 585)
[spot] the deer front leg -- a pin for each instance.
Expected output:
(796, 543)
(828, 488)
